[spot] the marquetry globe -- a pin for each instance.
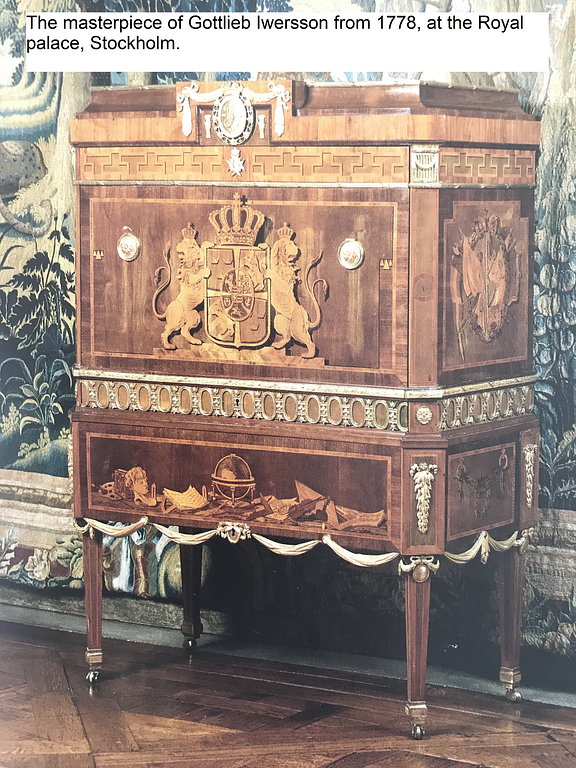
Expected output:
(232, 479)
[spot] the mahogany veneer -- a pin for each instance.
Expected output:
(306, 311)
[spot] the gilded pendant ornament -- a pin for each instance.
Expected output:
(70, 456)
(530, 453)
(423, 475)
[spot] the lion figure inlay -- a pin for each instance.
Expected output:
(246, 294)
(182, 314)
(291, 320)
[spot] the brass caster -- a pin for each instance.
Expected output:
(513, 695)
(189, 645)
(93, 676)
(418, 732)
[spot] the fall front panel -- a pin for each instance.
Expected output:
(193, 279)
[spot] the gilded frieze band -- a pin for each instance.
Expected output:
(358, 408)
(486, 406)
(231, 402)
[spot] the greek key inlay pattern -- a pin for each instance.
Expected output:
(486, 406)
(487, 166)
(230, 402)
(282, 164)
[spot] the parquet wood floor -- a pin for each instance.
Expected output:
(155, 709)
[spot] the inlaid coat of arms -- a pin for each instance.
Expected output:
(247, 290)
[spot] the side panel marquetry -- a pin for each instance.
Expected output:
(327, 165)
(481, 490)
(487, 296)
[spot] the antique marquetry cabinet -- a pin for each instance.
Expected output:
(305, 316)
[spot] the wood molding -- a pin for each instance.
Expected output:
(311, 129)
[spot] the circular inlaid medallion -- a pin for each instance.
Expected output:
(350, 254)
(128, 245)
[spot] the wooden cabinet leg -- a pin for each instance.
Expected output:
(92, 547)
(511, 582)
(417, 596)
(191, 567)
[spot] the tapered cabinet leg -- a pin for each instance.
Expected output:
(92, 547)
(511, 582)
(191, 567)
(417, 595)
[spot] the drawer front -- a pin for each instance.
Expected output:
(275, 484)
(305, 284)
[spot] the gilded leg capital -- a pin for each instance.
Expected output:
(420, 566)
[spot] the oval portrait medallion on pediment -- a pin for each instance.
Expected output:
(233, 116)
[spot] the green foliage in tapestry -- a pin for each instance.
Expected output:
(45, 288)
(37, 336)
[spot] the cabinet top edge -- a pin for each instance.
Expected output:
(291, 113)
(307, 97)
